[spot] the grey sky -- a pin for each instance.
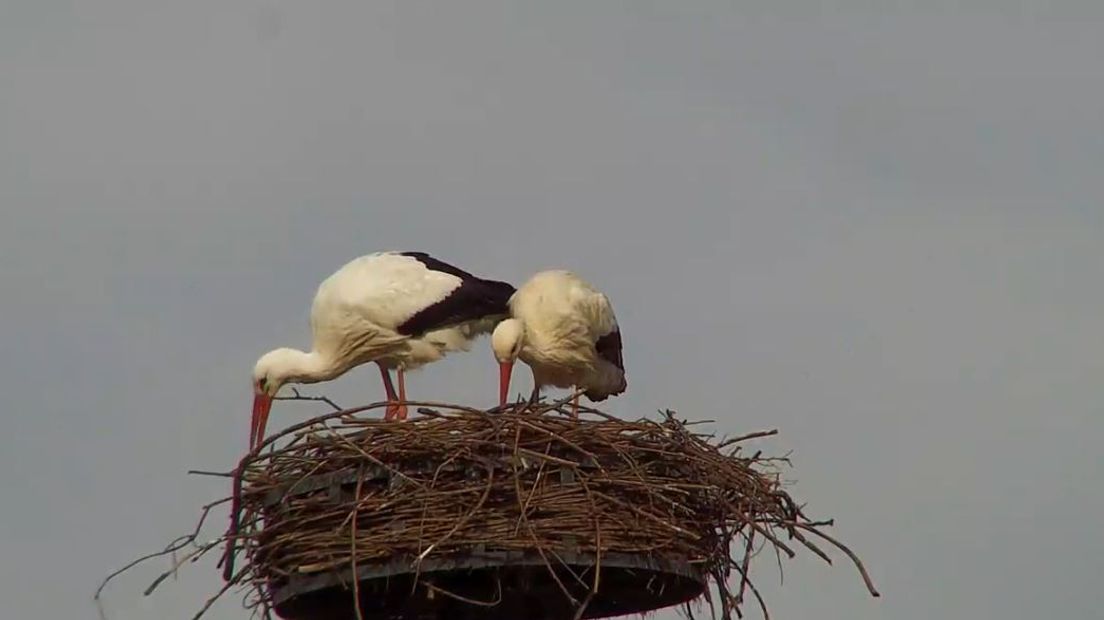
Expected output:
(880, 233)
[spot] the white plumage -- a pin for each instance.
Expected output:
(565, 330)
(400, 310)
(358, 311)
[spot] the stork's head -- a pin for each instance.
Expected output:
(274, 369)
(269, 375)
(506, 342)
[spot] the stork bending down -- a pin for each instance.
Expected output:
(400, 310)
(566, 332)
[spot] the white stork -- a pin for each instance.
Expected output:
(565, 331)
(400, 310)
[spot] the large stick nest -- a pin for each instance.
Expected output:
(608, 516)
(342, 492)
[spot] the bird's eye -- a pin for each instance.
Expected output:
(261, 383)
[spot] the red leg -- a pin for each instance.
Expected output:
(392, 409)
(401, 411)
(575, 406)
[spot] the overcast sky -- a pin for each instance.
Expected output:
(881, 233)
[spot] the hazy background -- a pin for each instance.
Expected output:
(880, 232)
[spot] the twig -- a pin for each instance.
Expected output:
(466, 517)
(353, 545)
(174, 546)
(728, 442)
(191, 556)
(464, 599)
(217, 474)
(851, 554)
(211, 601)
(297, 396)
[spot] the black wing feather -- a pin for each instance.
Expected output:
(475, 298)
(609, 348)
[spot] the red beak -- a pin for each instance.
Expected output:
(504, 370)
(262, 403)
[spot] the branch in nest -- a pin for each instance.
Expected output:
(297, 396)
(177, 545)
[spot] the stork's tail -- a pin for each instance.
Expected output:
(613, 384)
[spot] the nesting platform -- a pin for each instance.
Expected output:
(493, 587)
(478, 583)
(521, 512)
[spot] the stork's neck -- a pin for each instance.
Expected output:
(302, 367)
